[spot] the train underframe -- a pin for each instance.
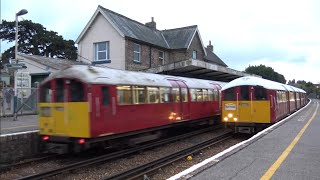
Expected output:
(61, 144)
(246, 128)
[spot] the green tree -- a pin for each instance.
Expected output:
(36, 40)
(266, 73)
(309, 87)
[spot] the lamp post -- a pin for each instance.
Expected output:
(20, 13)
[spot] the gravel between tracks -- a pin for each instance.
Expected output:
(100, 171)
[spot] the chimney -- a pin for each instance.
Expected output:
(210, 47)
(151, 24)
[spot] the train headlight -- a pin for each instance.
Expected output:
(230, 115)
(225, 119)
(235, 119)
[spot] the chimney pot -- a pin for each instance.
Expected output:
(210, 47)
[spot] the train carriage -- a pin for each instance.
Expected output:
(84, 105)
(250, 103)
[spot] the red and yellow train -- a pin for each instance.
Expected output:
(81, 106)
(250, 103)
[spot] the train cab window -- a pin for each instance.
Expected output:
(46, 93)
(139, 94)
(124, 95)
(229, 94)
(164, 94)
(105, 96)
(76, 91)
(244, 93)
(260, 93)
(153, 94)
(59, 90)
(176, 94)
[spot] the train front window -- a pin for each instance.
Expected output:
(76, 91)
(260, 93)
(59, 90)
(46, 93)
(244, 93)
(229, 94)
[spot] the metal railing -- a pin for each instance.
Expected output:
(26, 102)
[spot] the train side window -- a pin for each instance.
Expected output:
(164, 94)
(153, 94)
(59, 90)
(105, 96)
(211, 94)
(176, 94)
(216, 95)
(124, 95)
(229, 94)
(193, 95)
(199, 95)
(244, 93)
(260, 93)
(184, 94)
(76, 91)
(205, 95)
(46, 93)
(139, 94)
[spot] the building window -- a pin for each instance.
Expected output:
(161, 56)
(101, 50)
(136, 53)
(194, 54)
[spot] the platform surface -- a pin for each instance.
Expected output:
(22, 124)
(283, 151)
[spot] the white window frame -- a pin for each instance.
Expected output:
(138, 52)
(194, 54)
(161, 57)
(96, 51)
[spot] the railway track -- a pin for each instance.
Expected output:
(159, 163)
(105, 158)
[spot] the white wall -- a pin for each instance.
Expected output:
(34, 67)
(101, 30)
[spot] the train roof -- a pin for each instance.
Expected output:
(256, 81)
(104, 75)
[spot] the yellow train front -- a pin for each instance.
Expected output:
(250, 104)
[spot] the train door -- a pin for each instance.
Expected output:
(180, 100)
(103, 109)
(261, 104)
(244, 99)
(60, 108)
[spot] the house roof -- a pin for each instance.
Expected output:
(180, 37)
(53, 63)
(136, 30)
(212, 57)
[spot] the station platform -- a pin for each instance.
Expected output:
(22, 124)
(289, 149)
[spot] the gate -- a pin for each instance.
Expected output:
(25, 103)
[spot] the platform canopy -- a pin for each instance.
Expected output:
(199, 69)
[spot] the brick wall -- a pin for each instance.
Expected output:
(196, 45)
(18, 146)
(147, 52)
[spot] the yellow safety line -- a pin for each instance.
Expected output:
(18, 127)
(286, 152)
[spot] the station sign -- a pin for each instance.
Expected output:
(16, 66)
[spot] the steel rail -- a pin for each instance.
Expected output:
(154, 165)
(114, 155)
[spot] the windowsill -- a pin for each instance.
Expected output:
(100, 62)
(137, 62)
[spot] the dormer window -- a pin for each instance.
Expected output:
(194, 54)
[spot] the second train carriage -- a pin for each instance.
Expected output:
(250, 103)
(82, 105)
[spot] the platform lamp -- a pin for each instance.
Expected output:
(20, 13)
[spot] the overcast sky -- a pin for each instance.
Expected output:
(282, 34)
